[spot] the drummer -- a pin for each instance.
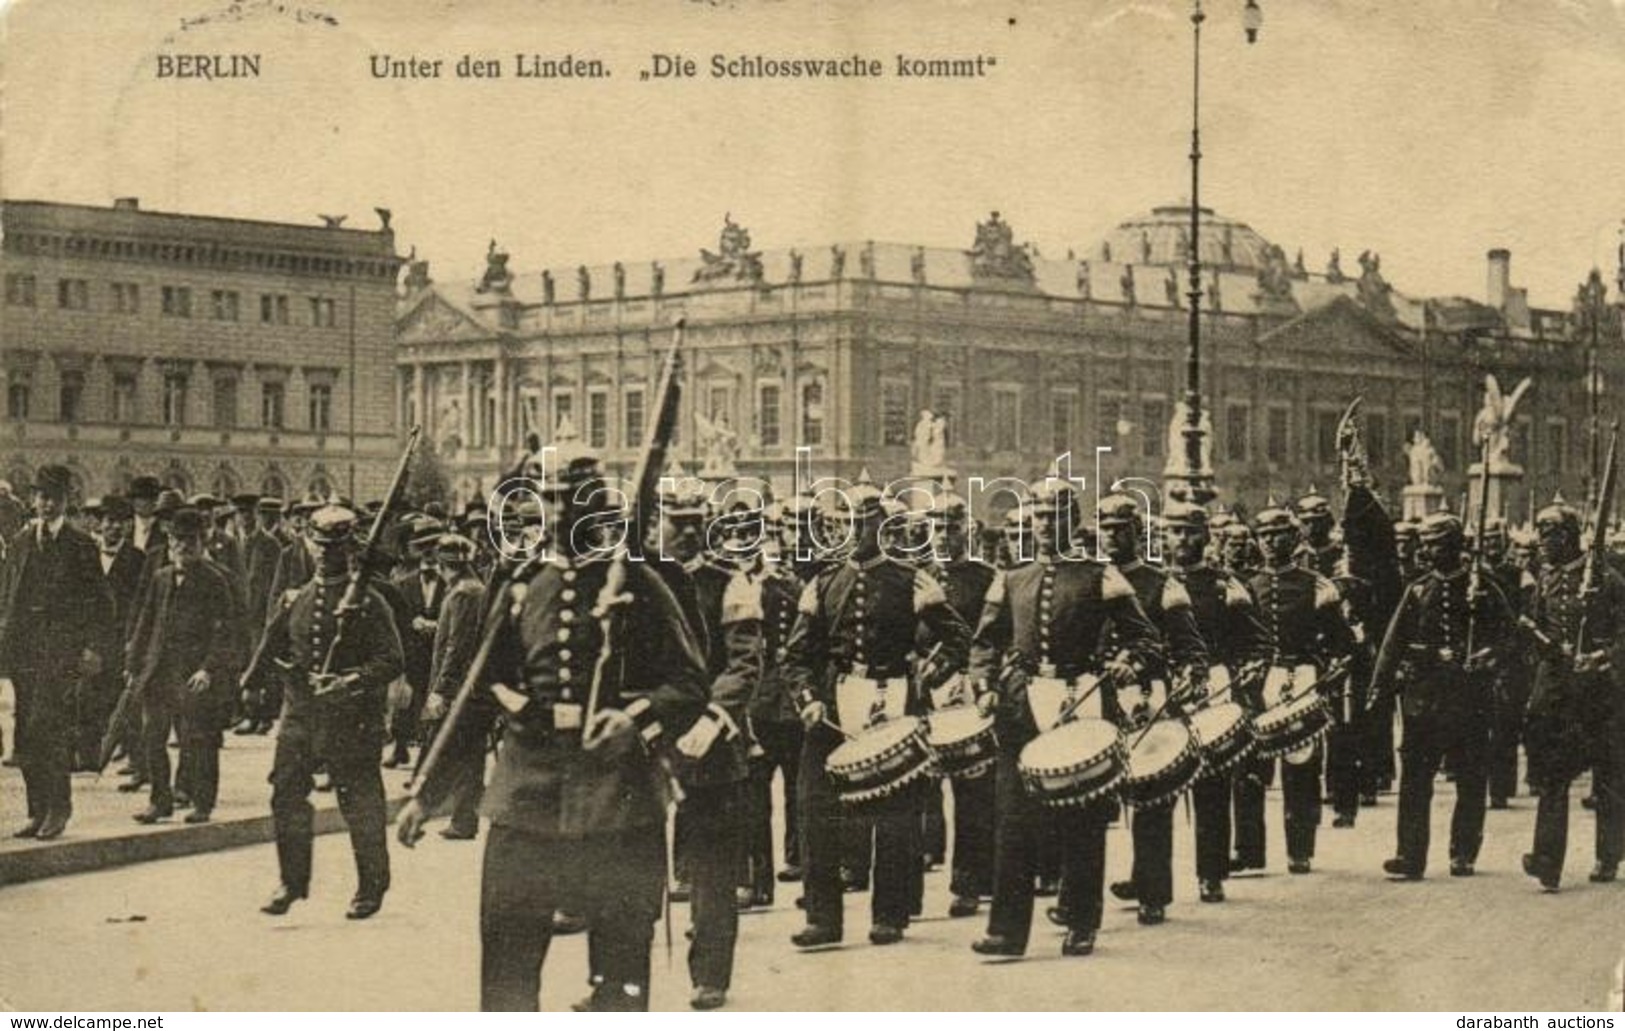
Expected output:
(965, 580)
(1124, 537)
(1304, 626)
(848, 663)
(1228, 621)
(1046, 620)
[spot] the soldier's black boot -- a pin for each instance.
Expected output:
(1534, 866)
(998, 945)
(282, 901)
(1401, 869)
(1604, 873)
(1078, 943)
(1212, 891)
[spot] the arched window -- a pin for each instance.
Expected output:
(274, 485)
(225, 483)
(320, 485)
(176, 478)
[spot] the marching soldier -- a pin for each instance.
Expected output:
(1304, 626)
(1239, 554)
(1228, 622)
(775, 725)
(965, 580)
(332, 716)
(1574, 714)
(456, 637)
(851, 653)
(1330, 559)
(1446, 694)
(577, 804)
(1047, 620)
(53, 604)
(1165, 602)
(1513, 673)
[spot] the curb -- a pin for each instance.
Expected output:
(90, 854)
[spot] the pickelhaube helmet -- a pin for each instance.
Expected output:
(1117, 510)
(1405, 529)
(1274, 519)
(1313, 505)
(569, 463)
(1558, 513)
(862, 498)
(1184, 513)
(949, 508)
(1437, 526)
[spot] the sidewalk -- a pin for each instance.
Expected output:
(104, 834)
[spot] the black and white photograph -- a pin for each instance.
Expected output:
(813, 506)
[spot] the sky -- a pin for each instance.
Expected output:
(1428, 131)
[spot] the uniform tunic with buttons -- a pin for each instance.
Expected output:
(1166, 603)
(545, 784)
(1425, 647)
(1571, 715)
(1053, 614)
(1225, 615)
(864, 618)
(352, 721)
(1302, 617)
(773, 700)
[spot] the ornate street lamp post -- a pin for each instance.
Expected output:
(1195, 479)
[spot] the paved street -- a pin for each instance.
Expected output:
(1342, 938)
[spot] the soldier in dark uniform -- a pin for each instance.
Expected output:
(185, 650)
(1239, 554)
(1229, 624)
(332, 716)
(53, 605)
(774, 723)
(1513, 670)
(851, 655)
(1304, 625)
(1165, 602)
(1345, 740)
(1446, 694)
(1574, 712)
(1048, 618)
(577, 803)
(965, 580)
(295, 565)
(460, 611)
(1410, 562)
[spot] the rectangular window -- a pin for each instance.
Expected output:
(1238, 431)
(174, 399)
(274, 309)
(894, 412)
(225, 305)
(598, 418)
(321, 407)
(564, 410)
(1063, 419)
(123, 397)
(71, 397)
(632, 418)
(1108, 413)
(1376, 438)
(812, 413)
(768, 427)
(225, 403)
(126, 298)
(1326, 437)
(946, 402)
(20, 289)
(1523, 434)
(719, 404)
(73, 294)
(17, 401)
(1278, 440)
(178, 301)
(272, 410)
(323, 312)
(1006, 418)
(1154, 428)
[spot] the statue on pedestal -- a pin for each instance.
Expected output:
(720, 445)
(1424, 460)
(1492, 427)
(929, 452)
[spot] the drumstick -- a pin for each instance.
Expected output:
(831, 724)
(1152, 721)
(1072, 707)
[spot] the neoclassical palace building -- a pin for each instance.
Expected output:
(840, 347)
(218, 354)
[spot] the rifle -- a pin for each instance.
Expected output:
(1476, 558)
(646, 480)
(369, 561)
(1595, 555)
(511, 569)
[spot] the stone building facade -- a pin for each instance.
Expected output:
(218, 354)
(839, 347)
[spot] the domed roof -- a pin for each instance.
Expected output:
(1162, 238)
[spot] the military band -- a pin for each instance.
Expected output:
(703, 731)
